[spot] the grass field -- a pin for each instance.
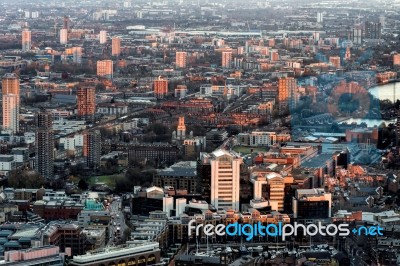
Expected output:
(109, 180)
(247, 150)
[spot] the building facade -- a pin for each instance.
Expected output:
(116, 46)
(180, 60)
(286, 92)
(11, 113)
(138, 255)
(225, 179)
(92, 148)
(63, 36)
(103, 37)
(160, 87)
(105, 69)
(312, 204)
(226, 59)
(86, 101)
(159, 153)
(26, 40)
(44, 163)
(11, 102)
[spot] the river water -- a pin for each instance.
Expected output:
(390, 91)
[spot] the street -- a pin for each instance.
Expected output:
(117, 221)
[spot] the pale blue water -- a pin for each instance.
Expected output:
(390, 91)
(369, 122)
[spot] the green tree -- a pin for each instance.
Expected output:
(159, 129)
(83, 185)
(126, 234)
(25, 179)
(100, 87)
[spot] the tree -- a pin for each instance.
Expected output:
(100, 87)
(25, 179)
(126, 234)
(335, 127)
(83, 185)
(110, 167)
(159, 129)
(198, 130)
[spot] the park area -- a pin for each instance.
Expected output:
(249, 150)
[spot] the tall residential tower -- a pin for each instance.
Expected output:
(26, 40)
(44, 164)
(86, 101)
(11, 102)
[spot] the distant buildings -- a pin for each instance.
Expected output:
(286, 92)
(180, 176)
(10, 113)
(347, 55)
(226, 59)
(11, 102)
(181, 129)
(105, 68)
(103, 37)
(274, 55)
(153, 152)
(373, 30)
(112, 108)
(262, 138)
(127, 4)
(181, 91)
(44, 163)
(63, 36)
(86, 101)
(396, 59)
(26, 40)
(335, 61)
(398, 127)
(180, 60)
(160, 87)
(116, 46)
(192, 146)
(225, 179)
(66, 23)
(356, 34)
(320, 17)
(362, 135)
(77, 55)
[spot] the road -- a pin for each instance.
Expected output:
(117, 221)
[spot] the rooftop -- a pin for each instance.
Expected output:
(186, 168)
(317, 161)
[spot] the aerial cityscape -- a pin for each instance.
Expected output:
(199, 132)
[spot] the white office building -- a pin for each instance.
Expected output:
(225, 179)
(63, 36)
(103, 37)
